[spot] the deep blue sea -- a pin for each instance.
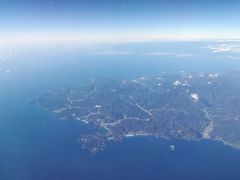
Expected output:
(35, 146)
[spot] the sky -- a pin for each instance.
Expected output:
(118, 20)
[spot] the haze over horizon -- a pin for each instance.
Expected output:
(114, 21)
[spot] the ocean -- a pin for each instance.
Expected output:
(36, 146)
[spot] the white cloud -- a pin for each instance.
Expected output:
(195, 97)
(213, 75)
(170, 54)
(112, 52)
(160, 54)
(177, 83)
(98, 36)
(221, 48)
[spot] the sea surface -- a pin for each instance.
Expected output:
(36, 146)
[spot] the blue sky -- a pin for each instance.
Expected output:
(109, 20)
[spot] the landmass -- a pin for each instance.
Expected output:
(186, 106)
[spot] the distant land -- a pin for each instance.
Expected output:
(184, 106)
